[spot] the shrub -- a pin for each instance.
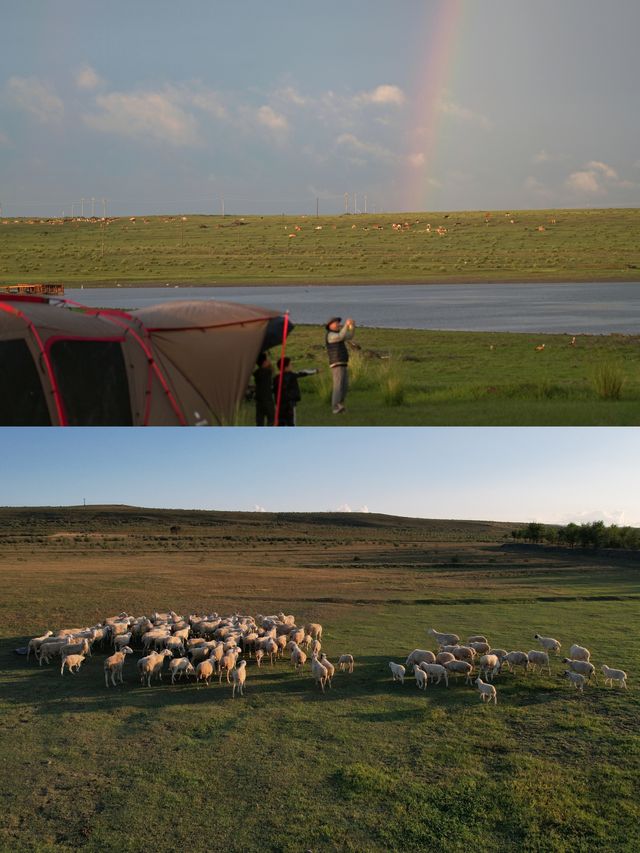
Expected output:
(608, 380)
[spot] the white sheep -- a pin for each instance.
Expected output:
(584, 667)
(418, 656)
(35, 643)
(239, 676)
(464, 653)
(477, 638)
(73, 662)
(434, 670)
(151, 665)
(345, 663)
(205, 670)
(422, 679)
(576, 679)
(617, 675)
(444, 639)
(314, 629)
(122, 640)
(538, 658)
(460, 667)
(443, 658)
(113, 665)
(319, 672)
(179, 667)
(298, 657)
(51, 647)
(331, 670)
(514, 659)
(480, 647)
(259, 655)
(227, 663)
(397, 671)
(579, 653)
(548, 643)
(489, 665)
(487, 691)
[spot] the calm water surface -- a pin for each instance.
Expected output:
(592, 308)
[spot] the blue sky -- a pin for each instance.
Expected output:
(550, 475)
(160, 106)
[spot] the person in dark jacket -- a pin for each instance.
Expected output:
(290, 391)
(263, 377)
(336, 343)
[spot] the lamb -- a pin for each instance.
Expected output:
(422, 679)
(298, 657)
(612, 675)
(579, 653)
(345, 663)
(583, 667)
(319, 672)
(444, 639)
(331, 670)
(461, 667)
(205, 670)
(513, 659)
(239, 676)
(537, 658)
(179, 667)
(314, 646)
(397, 671)
(419, 656)
(576, 679)
(73, 662)
(548, 643)
(489, 665)
(35, 643)
(435, 669)
(487, 691)
(113, 665)
(151, 665)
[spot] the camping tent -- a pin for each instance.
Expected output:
(178, 363)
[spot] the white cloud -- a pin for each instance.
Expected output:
(464, 114)
(384, 94)
(612, 516)
(344, 508)
(417, 159)
(258, 508)
(87, 78)
(584, 182)
(274, 121)
(207, 100)
(36, 98)
(145, 115)
(364, 508)
(607, 171)
(291, 96)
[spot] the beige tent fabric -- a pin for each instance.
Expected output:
(202, 354)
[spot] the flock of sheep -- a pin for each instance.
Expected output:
(454, 658)
(195, 646)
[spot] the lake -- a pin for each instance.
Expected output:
(593, 308)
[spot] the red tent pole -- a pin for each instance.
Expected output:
(281, 377)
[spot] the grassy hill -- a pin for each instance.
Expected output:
(370, 765)
(466, 246)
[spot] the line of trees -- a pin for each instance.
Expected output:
(594, 534)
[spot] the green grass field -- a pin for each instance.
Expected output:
(372, 765)
(469, 378)
(541, 245)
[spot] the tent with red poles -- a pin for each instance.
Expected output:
(178, 363)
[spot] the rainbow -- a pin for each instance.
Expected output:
(443, 25)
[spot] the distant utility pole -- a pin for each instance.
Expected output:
(355, 202)
(82, 209)
(73, 209)
(222, 205)
(346, 202)
(365, 202)
(104, 208)
(317, 207)
(84, 501)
